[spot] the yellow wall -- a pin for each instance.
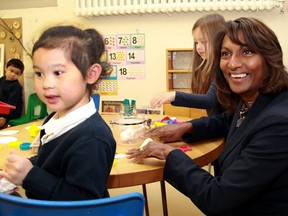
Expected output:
(161, 31)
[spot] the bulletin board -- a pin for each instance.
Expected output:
(126, 53)
(11, 40)
(2, 61)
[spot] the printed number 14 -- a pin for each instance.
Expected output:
(131, 55)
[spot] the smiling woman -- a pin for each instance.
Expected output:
(251, 173)
(244, 70)
(249, 68)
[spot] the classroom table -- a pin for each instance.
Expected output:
(125, 173)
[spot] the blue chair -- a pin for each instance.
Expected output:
(131, 204)
(96, 98)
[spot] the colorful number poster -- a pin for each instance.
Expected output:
(127, 53)
(107, 86)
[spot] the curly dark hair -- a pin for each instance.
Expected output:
(262, 40)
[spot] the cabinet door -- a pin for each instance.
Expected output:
(197, 113)
(183, 111)
(176, 111)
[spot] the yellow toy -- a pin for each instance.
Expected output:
(114, 162)
(158, 124)
(14, 144)
(34, 130)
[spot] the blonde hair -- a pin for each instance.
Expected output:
(210, 25)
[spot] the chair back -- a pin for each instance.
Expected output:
(96, 98)
(36, 108)
(131, 204)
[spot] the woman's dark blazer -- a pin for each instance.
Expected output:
(252, 170)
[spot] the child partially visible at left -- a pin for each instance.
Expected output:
(77, 147)
(11, 90)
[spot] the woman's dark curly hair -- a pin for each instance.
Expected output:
(260, 39)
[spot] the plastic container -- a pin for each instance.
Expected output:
(5, 108)
(127, 131)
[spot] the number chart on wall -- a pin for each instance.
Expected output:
(108, 86)
(127, 53)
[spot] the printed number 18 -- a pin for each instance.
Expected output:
(123, 71)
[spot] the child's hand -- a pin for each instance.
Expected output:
(7, 187)
(15, 190)
(17, 167)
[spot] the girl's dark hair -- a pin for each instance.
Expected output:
(260, 39)
(83, 47)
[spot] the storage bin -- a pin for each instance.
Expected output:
(5, 108)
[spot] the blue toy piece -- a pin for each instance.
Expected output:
(25, 146)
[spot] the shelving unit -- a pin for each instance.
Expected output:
(178, 69)
(178, 78)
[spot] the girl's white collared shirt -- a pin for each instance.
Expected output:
(55, 127)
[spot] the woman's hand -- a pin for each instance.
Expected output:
(152, 149)
(164, 97)
(17, 167)
(169, 133)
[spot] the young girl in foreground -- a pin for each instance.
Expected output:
(77, 147)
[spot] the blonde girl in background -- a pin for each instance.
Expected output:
(202, 88)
